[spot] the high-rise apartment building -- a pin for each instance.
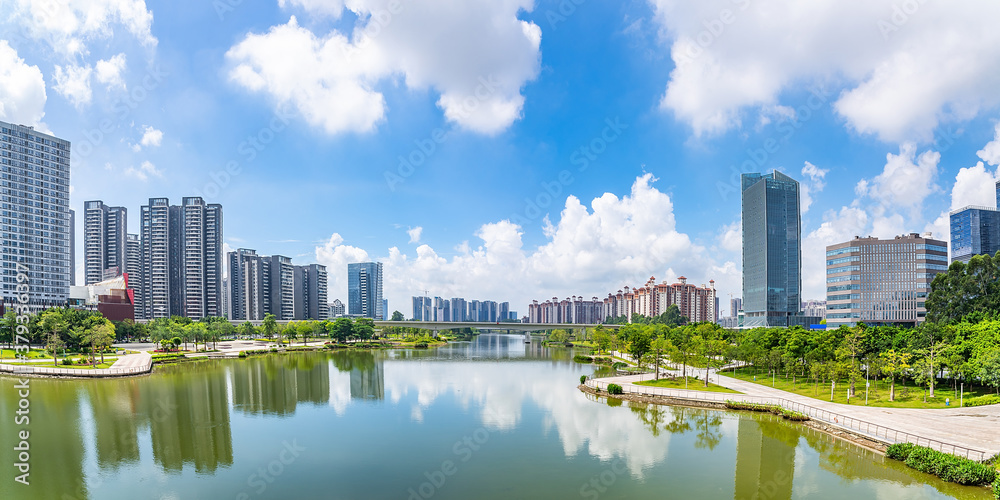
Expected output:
(309, 295)
(459, 309)
(104, 241)
(772, 250)
(975, 230)
(133, 266)
(337, 309)
(247, 285)
(364, 290)
(882, 282)
(422, 309)
(72, 247)
(735, 306)
(281, 286)
(181, 259)
(34, 217)
(259, 285)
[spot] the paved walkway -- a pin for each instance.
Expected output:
(134, 361)
(976, 428)
(132, 364)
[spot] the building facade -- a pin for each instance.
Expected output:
(364, 290)
(975, 231)
(337, 309)
(696, 303)
(882, 282)
(422, 308)
(309, 295)
(34, 217)
(105, 231)
(772, 250)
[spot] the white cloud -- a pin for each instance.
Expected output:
(331, 8)
(73, 83)
(589, 251)
(813, 182)
(902, 73)
(415, 233)
(22, 89)
(67, 25)
(907, 179)
(478, 70)
(336, 256)
(731, 238)
(991, 152)
(974, 186)
(151, 137)
(144, 171)
(109, 71)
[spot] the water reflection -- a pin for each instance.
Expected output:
(207, 426)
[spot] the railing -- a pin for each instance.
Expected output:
(72, 372)
(863, 427)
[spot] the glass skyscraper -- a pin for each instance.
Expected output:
(975, 231)
(364, 290)
(772, 250)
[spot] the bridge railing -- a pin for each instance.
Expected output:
(27, 369)
(877, 432)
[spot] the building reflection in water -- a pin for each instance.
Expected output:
(274, 385)
(367, 371)
(765, 459)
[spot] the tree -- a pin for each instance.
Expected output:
(197, 332)
(55, 343)
(397, 316)
(52, 322)
(661, 345)
(929, 363)
(894, 364)
(602, 338)
(989, 369)
(291, 332)
(342, 330)
(247, 330)
(639, 344)
(100, 336)
(558, 336)
(364, 328)
(850, 352)
(176, 341)
(269, 326)
(965, 289)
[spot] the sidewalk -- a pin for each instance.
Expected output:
(131, 364)
(973, 428)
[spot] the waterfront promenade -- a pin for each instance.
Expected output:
(964, 431)
(127, 365)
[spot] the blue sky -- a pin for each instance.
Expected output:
(294, 115)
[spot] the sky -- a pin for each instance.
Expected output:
(513, 150)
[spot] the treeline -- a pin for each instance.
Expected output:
(961, 352)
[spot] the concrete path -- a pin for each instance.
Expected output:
(134, 361)
(974, 428)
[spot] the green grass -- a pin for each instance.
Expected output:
(908, 395)
(32, 354)
(692, 384)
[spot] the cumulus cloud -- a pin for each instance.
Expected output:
(109, 71)
(415, 233)
(335, 255)
(589, 251)
(151, 137)
(73, 83)
(22, 89)
(991, 152)
(478, 70)
(68, 25)
(902, 72)
(906, 180)
(144, 171)
(814, 180)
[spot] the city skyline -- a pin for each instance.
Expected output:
(538, 148)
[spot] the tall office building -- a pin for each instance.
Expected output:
(364, 290)
(385, 309)
(975, 230)
(772, 250)
(133, 266)
(104, 241)
(35, 216)
(309, 295)
(422, 309)
(181, 259)
(882, 282)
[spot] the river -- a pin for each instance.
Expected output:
(488, 419)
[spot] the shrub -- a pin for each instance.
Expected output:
(989, 399)
(580, 358)
(602, 360)
(583, 379)
(899, 451)
(618, 364)
(67, 362)
(996, 488)
(948, 467)
(615, 389)
(243, 354)
(420, 345)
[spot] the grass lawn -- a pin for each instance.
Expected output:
(907, 396)
(692, 384)
(32, 354)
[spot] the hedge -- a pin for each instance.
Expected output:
(989, 399)
(996, 488)
(775, 409)
(948, 467)
(615, 389)
(580, 358)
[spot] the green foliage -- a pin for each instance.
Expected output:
(615, 389)
(583, 379)
(579, 358)
(420, 345)
(996, 488)
(242, 354)
(948, 467)
(966, 291)
(397, 316)
(991, 399)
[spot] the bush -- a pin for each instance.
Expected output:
(67, 362)
(420, 345)
(583, 379)
(580, 358)
(899, 451)
(618, 364)
(602, 360)
(989, 399)
(948, 467)
(615, 389)
(243, 354)
(996, 488)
